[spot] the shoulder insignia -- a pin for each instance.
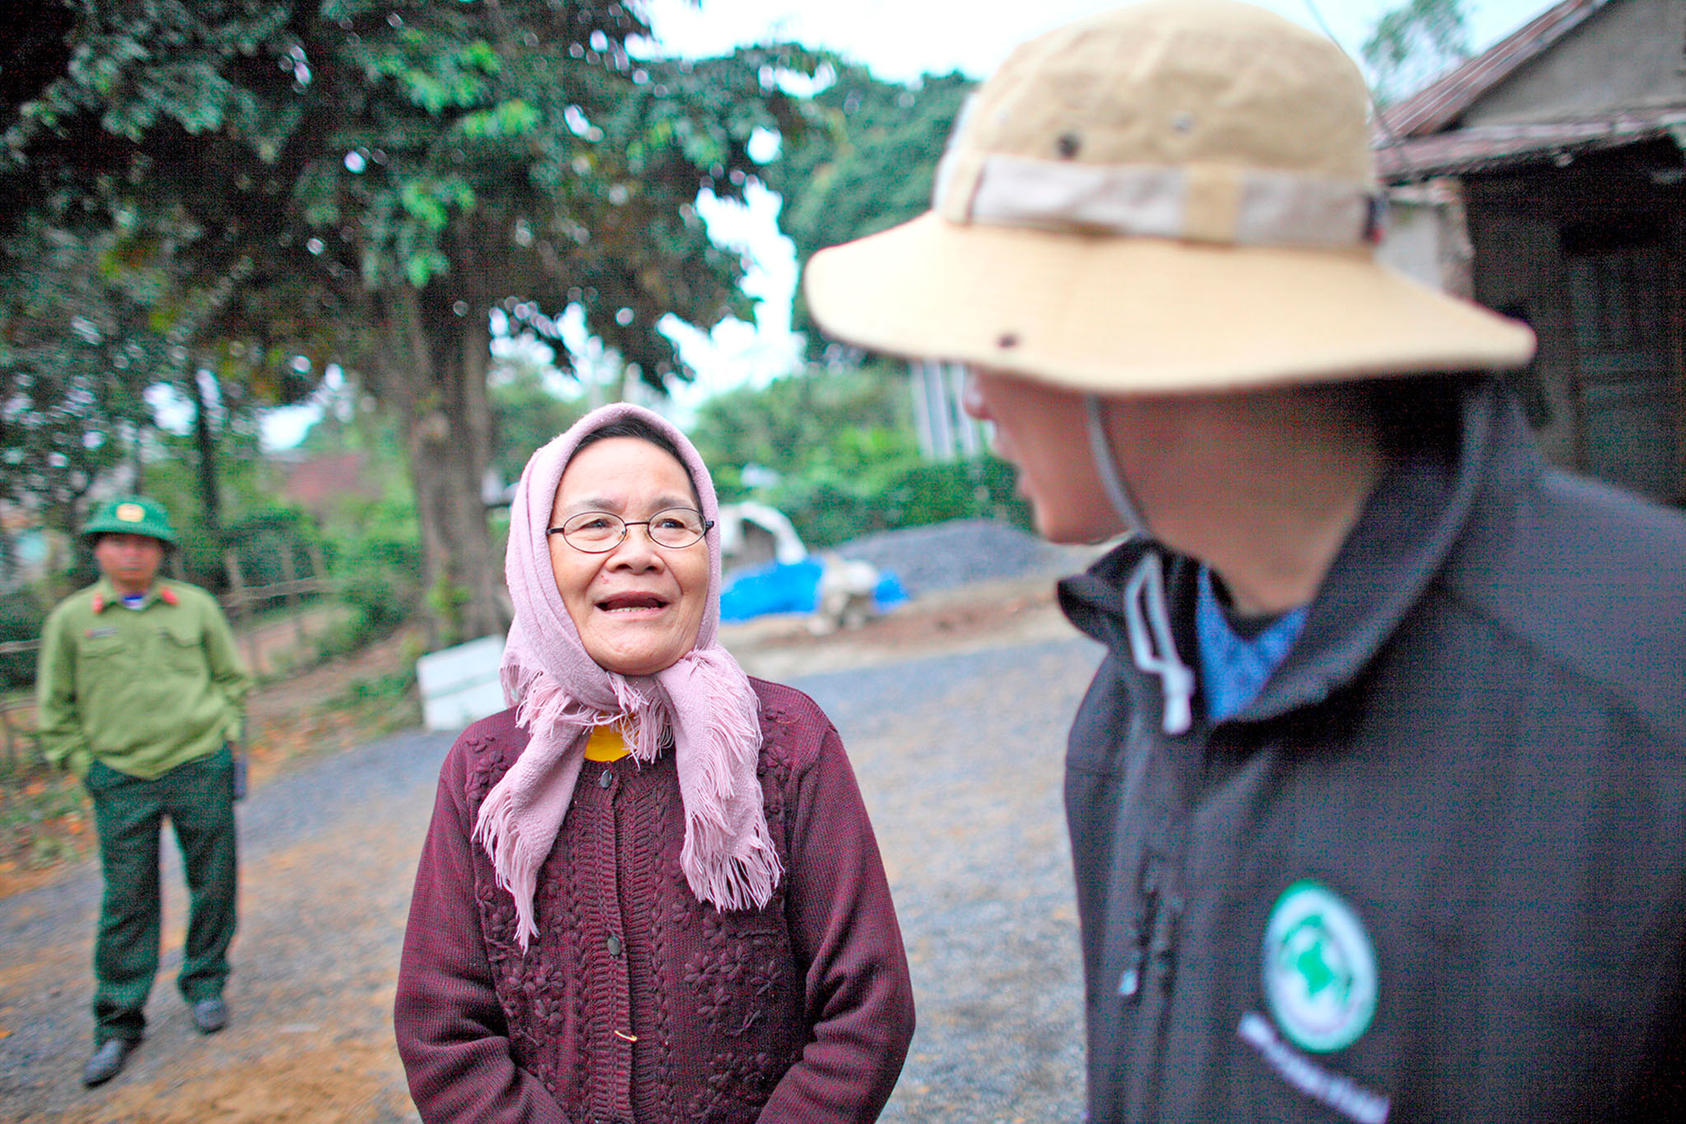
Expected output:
(168, 596)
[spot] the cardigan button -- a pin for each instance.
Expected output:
(605, 779)
(614, 946)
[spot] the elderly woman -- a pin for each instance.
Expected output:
(650, 892)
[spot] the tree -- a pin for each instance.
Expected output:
(94, 309)
(870, 169)
(365, 180)
(1415, 43)
(525, 415)
(838, 457)
(73, 355)
(834, 424)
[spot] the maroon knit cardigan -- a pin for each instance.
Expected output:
(637, 1003)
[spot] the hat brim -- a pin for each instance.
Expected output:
(1119, 315)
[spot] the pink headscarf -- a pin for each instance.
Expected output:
(704, 700)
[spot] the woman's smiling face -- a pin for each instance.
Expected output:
(637, 607)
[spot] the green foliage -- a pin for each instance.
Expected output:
(75, 357)
(525, 415)
(377, 574)
(136, 67)
(1415, 43)
(371, 542)
(96, 97)
(829, 510)
(809, 424)
(21, 615)
(871, 168)
(74, 408)
(316, 153)
(393, 686)
(983, 487)
(379, 705)
(446, 601)
(36, 801)
(245, 475)
(369, 536)
(263, 538)
(844, 460)
(359, 182)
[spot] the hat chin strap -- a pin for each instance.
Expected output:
(1106, 463)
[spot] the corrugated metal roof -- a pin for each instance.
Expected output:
(1491, 147)
(1444, 100)
(1414, 139)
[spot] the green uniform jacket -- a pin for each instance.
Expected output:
(141, 691)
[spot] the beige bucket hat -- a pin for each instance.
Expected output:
(1173, 196)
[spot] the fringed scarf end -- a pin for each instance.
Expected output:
(496, 830)
(743, 881)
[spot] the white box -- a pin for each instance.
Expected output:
(460, 685)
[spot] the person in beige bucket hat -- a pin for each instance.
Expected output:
(1143, 179)
(1376, 799)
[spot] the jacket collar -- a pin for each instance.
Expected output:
(1405, 536)
(106, 595)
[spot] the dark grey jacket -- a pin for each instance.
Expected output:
(1437, 869)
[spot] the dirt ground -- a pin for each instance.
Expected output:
(290, 716)
(992, 614)
(329, 849)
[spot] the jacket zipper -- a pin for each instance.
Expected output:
(1141, 933)
(1161, 970)
(1151, 970)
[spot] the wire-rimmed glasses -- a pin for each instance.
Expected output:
(598, 532)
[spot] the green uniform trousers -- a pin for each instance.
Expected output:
(198, 797)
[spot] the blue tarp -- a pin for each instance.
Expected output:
(791, 587)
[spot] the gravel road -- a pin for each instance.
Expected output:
(958, 755)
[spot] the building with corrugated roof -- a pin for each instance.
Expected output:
(1557, 156)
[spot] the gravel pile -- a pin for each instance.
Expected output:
(962, 551)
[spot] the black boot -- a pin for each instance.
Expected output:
(209, 1015)
(108, 1060)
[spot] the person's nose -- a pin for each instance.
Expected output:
(637, 549)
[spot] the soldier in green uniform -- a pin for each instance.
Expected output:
(139, 694)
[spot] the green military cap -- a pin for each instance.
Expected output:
(131, 515)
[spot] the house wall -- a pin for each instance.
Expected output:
(1609, 384)
(1412, 244)
(1424, 236)
(1519, 271)
(1630, 55)
(1589, 245)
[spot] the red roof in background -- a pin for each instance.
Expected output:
(1417, 138)
(1444, 100)
(314, 483)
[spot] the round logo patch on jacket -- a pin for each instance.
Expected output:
(1319, 969)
